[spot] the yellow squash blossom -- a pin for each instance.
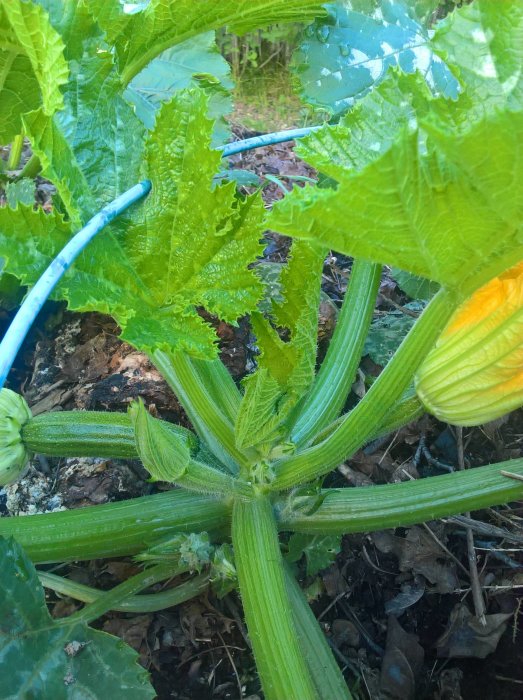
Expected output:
(474, 373)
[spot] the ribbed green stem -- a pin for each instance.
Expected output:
(145, 603)
(408, 409)
(208, 420)
(129, 527)
(280, 663)
(220, 385)
(325, 672)
(336, 374)
(16, 152)
(87, 434)
(362, 422)
(399, 505)
(205, 479)
(32, 168)
(109, 599)
(115, 529)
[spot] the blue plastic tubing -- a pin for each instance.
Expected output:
(39, 294)
(229, 149)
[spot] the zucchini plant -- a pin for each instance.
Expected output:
(423, 171)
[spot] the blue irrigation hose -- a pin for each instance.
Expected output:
(39, 294)
(229, 149)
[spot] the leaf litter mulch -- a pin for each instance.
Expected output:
(405, 613)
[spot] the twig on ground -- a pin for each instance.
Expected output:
(389, 447)
(349, 612)
(205, 651)
(498, 553)
(332, 604)
(399, 307)
(507, 587)
(484, 528)
(348, 663)
(513, 520)
(231, 605)
(446, 549)
(511, 475)
(231, 660)
(477, 593)
(510, 680)
(372, 564)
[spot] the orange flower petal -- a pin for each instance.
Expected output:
(474, 374)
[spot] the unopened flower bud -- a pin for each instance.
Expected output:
(14, 457)
(474, 374)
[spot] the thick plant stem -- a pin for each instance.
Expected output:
(362, 422)
(336, 375)
(116, 529)
(280, 663)
(108, 600)
(16, 152)
(129, 527)
(338, 511)
(221, 386)
(208, 420)
(406, 410)
(202, 478)
(31, 168)
(145, 603)
(326, 675)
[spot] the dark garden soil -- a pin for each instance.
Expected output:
(396, 606)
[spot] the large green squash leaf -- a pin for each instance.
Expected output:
(30, 240)
(367, 131)
(90, 149)
(198, 241)
(71, 19)
(346, 54)
(42, 658)
(196, 61)
(484, 41)
(452, 213)
(148, 28)
(431, 186)
(188, 245)
(32, 65)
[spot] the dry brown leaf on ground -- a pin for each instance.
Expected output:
(401, 664)
(420, 553)
(466, 637)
